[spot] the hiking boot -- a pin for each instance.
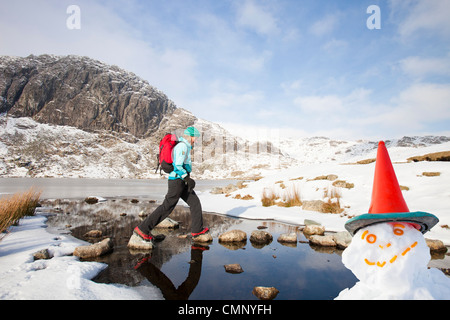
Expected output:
(202, 236)
(140, 240)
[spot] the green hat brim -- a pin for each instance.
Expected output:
(425, 220)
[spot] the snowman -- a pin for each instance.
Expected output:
(388, 253)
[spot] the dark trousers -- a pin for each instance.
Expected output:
(177, 189)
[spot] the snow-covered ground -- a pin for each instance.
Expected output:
(65, 277)
(429, 194)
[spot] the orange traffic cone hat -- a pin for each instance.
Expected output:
(386, 194)
(388, 204)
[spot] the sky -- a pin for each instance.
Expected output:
(353, 69)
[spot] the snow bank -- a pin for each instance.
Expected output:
(62, 277)
(429, 194)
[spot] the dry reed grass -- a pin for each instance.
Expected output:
(17, 206)
(291, 198)
(268, 197)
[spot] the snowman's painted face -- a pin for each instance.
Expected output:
(371, 238)
(388, 253)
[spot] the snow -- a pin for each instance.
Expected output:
(69, 278)
(428, 194)
(62, 277)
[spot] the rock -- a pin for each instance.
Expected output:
(265, 293)
(143, 214)
(81, 92)
(313, 205)
(216, 190)
(168, 223)
(93, 234)
(91, 200)
(332, 177)
(343, 184)
(314, 229)
(436, 245)
(307, 222)
(233, 268)
(203, 238)
(94, 250)
(230, 188)
(342, 239)
(42, 255)
(288, 237)
(137, 243)
(325, 241)
(233, 236)
(261, 237)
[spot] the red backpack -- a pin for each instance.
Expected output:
(165, 153)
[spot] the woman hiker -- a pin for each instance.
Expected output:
(180, 186)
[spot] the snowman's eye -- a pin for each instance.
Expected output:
(397, 229)
(371, 238)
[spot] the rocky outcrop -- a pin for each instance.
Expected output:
(82, 93)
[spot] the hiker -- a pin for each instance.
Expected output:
(180, 185)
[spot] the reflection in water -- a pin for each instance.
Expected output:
(168, 289)
(183, 270)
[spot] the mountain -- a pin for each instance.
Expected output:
(82, 93)
(74, 116)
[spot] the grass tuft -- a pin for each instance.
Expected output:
(17, 206)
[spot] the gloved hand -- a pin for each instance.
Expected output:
(190, 183)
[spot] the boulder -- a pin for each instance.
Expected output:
(288, 237)
(313, 205)
(314, 229)
(93, 234)
(436, 245)
(325, 241)
(265, 293)
(168, 223)
(42, 255)
(233, 236)
(261, 237)
(342, 239)
(307, 222)
(203, 238)
(94, 250)
(233, 268)
(136, 243)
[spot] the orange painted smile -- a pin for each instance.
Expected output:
(371, 238)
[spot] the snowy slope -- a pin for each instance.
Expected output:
(430, 194)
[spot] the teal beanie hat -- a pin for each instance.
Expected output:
(191, 131)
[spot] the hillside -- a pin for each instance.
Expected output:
(82, 93)
(73, 116)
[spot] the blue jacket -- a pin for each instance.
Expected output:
(182, 162)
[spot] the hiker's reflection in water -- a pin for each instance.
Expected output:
(159, 279)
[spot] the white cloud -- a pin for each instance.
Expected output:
(412, 112)
(325, 25)
(425, 15)
(422, 103)
(421, 67)
(255, 17)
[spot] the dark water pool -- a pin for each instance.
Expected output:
(184, 270)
